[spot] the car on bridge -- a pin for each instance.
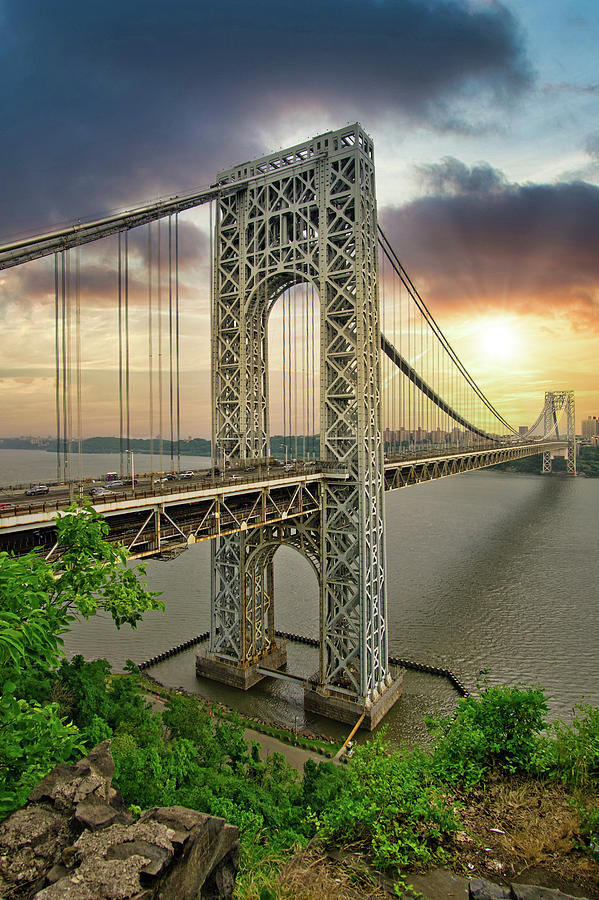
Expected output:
(37, 489)
(100, 492)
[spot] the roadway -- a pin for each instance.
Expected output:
(158, 517)
(155, 484)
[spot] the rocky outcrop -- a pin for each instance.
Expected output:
(481, 889)
(76, 840)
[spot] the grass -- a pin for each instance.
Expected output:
(509, 825)
(311, 874)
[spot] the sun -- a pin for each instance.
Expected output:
(499, 339)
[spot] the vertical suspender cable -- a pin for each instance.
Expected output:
(78, 357)
(314, 379)
(69, 366)
(422, 425)
(385, 373)
(57, 360)
(402, 383)
(284, 366)
(170, 336)
(295, 388)
(290, 385)
(307, 395)
(285, 373)
(150, 349)
(178, 388)
(64, 367)
(305, 347)
(120, 314)
(409, 384)
(395, 373)
(127, 374)
(214, 313)
(160, 373)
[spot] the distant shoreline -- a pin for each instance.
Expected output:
(587, 460)
(194, 447)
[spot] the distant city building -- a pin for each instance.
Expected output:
(590, 427)
(522, 430)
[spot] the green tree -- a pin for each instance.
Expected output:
(39, 599)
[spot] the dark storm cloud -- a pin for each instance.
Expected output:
(109, 104)
(480, 243)
(452, 176)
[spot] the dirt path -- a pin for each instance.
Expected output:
(295, 756)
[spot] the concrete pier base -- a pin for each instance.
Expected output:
(240, 676)
(326, 701)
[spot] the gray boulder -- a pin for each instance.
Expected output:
(76, 840)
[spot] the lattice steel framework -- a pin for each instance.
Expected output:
(556, 401)
(305, 215)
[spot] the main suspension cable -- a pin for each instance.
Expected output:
(403, 275)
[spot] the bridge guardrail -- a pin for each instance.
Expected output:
(177, 487)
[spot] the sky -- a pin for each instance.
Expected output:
(485, 120)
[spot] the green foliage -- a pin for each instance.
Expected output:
(532, 465)
(38, 601)
(206, 765)
(33, 739)
(389, 802)
(323, 783)
(575, 751)
(31, 623)
(499, 729)
(91, 573)
(152, 774)
(588, 461)
(81, 686)
(589, 828)
(185, 718)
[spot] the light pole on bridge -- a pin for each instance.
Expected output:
(131, 467)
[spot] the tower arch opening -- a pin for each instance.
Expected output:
(294, 371)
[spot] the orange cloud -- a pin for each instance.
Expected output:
(478, 243)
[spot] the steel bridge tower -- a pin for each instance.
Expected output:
(555, 401)
(307, 214)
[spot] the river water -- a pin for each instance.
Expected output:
(487, 571)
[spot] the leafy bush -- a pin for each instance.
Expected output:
(575, 750)
(500, 728)
(33, 739)
(152, 774)
(81, 686)
(389, 803)
(589, 828)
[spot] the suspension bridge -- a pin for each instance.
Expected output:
(317, 329)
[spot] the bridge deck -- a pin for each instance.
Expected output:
(164, 519)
